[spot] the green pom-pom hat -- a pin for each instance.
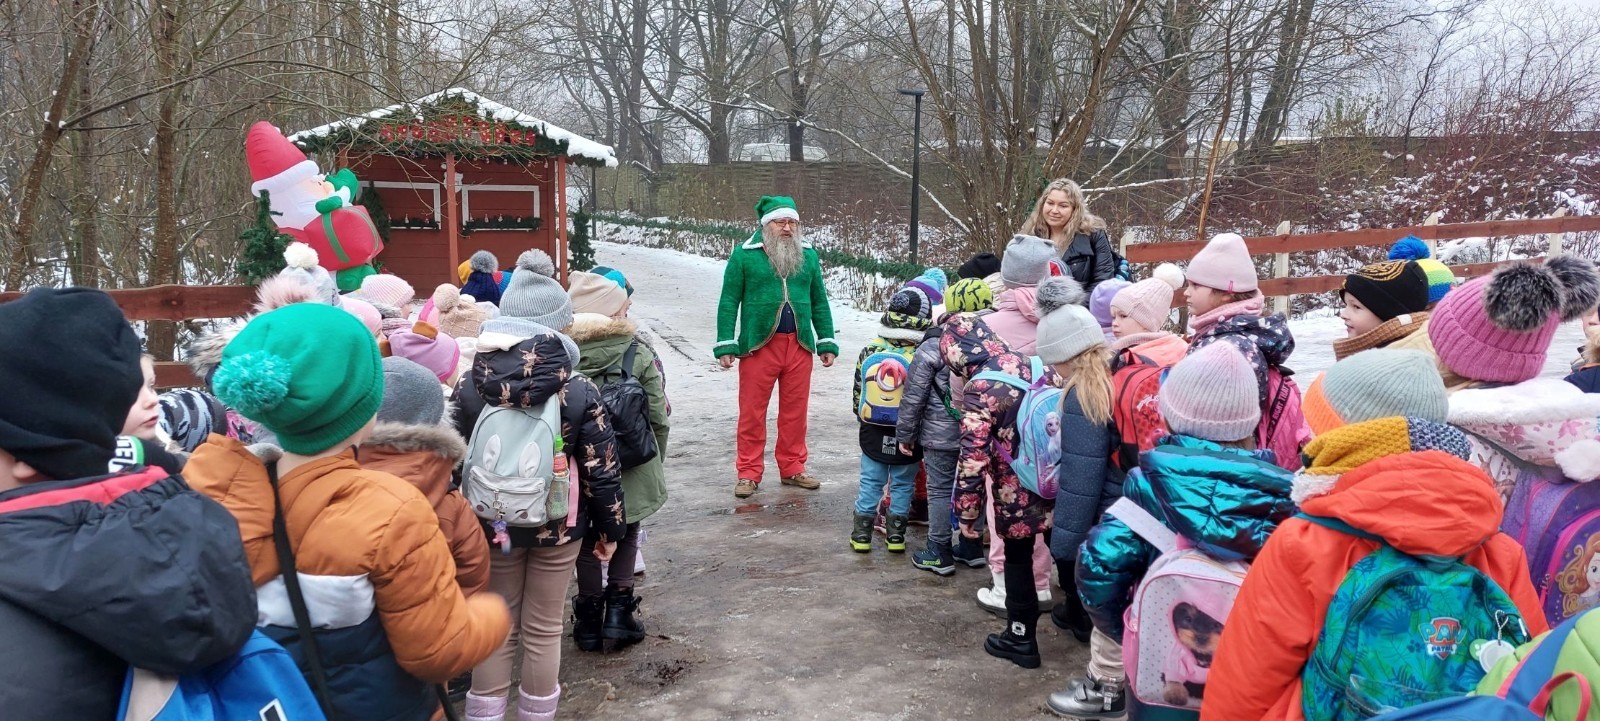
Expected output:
(310, 373)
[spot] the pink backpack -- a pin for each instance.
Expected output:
(1283, 428)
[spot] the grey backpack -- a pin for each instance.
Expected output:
(508, 470)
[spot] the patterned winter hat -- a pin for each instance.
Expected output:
(969, 295)
(908, 316)
(1498, 328)
(1376, 384)
(188, 416)
(1211, 394)
(480, 281)
(932, 283)
(1389, 289)
(1440, 278)
(458, 315)
(615, 275)
(300, 265)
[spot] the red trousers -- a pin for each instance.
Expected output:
(784, 363)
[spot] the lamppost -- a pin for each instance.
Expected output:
(916, 164)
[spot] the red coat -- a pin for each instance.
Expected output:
(353, 239)
(1422, 503)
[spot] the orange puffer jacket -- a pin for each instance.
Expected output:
(375, 570)
(1423, 503)
(424, 457)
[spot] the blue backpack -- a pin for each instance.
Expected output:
(1402, 631)
(1038, 430)
(260, 683)
(1525, 696)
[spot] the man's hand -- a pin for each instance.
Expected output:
(827, 360)
(725, 361)
(604, 549)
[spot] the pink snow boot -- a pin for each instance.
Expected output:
(535, 708)
(485, 708)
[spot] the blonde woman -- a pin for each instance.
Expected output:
(1062, 217)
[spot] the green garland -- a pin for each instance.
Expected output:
(830, 258)
(373, 202)
(263, 245)
(582, 251)
(368, 135)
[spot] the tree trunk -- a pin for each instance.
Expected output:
(798, 92)
(719, 144)
(164, 251)
(1285, 74)
(27, 253)
(85, 259)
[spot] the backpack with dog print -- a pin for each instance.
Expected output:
(1404, 630)
(1175, 621)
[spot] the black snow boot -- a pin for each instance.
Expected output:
(588, 614)
(895, 535)
(620, 625)
(1015, 644)
(861, 534)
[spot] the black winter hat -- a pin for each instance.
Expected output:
(1389, 289)
(70, 373)
(979, 266)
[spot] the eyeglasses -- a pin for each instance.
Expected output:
(786, 223)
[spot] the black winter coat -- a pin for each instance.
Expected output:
(1090, 259)
(523, 372)
(100, 573)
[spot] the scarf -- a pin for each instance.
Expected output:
(1134, 339)
(1253, 305)
(1387, 332)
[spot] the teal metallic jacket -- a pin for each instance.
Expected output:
(1224, 501)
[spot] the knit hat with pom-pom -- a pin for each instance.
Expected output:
(300, 263)
(481, 283)
(458, 315)
(931, 283)
(427, 347)
(534, 293)
(1440, 278)
(1066, 327)
(1498, 328)
(1149, 302)
(309, 373)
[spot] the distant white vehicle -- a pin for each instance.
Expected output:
(768, 152)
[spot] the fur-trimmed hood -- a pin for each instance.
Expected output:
(590, 327)
(439, 440)
(422, 455)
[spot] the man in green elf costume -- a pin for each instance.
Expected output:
(773, 287)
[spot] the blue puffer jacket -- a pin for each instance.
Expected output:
(1087, 481)
(1224, 501)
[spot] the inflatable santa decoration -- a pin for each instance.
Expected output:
(317, 210)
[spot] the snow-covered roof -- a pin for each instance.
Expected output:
(578, 147)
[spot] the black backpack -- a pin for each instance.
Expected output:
(629, 407)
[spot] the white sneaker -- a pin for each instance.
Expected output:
(993, 599)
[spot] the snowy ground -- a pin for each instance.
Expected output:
(758, 608)
(1314, 337)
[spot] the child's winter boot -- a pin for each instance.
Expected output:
(895, 536)
(1090, 700)
(935, 557)
(861, 534)
(969, 551)
(485, 708)
(1015, 644)
(620, 624)
(537, 708)
(588, 616)
(1069, 616)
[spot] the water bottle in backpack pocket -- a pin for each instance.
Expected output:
(1038, 430)
(510, 465)
(259, 683)
(1402, 631)
(1175, 621)
(883, 379)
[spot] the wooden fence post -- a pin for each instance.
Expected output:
(1556, 239)
(1280, 269)
(1433, 245)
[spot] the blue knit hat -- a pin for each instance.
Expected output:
(480, 281)
(932, 283)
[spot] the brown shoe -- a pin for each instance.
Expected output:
(745, 488)
(802, 480)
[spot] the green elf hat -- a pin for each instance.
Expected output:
(774, 207)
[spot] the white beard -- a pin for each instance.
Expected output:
(784, 255)
(293, 209)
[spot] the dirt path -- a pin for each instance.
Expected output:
(758, 609)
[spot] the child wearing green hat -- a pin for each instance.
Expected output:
(368, 557)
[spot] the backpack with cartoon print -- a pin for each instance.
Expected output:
(1558, 522)
(1403, 631)
(883, 379)
(510, 467)
(1038, 429)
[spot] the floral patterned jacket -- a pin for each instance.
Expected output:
(989, 430)
(1541, 422)
(523, 370)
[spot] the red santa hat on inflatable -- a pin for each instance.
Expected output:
(275, 163)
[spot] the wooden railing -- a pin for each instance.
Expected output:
(1283, 284)
(177, 303)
